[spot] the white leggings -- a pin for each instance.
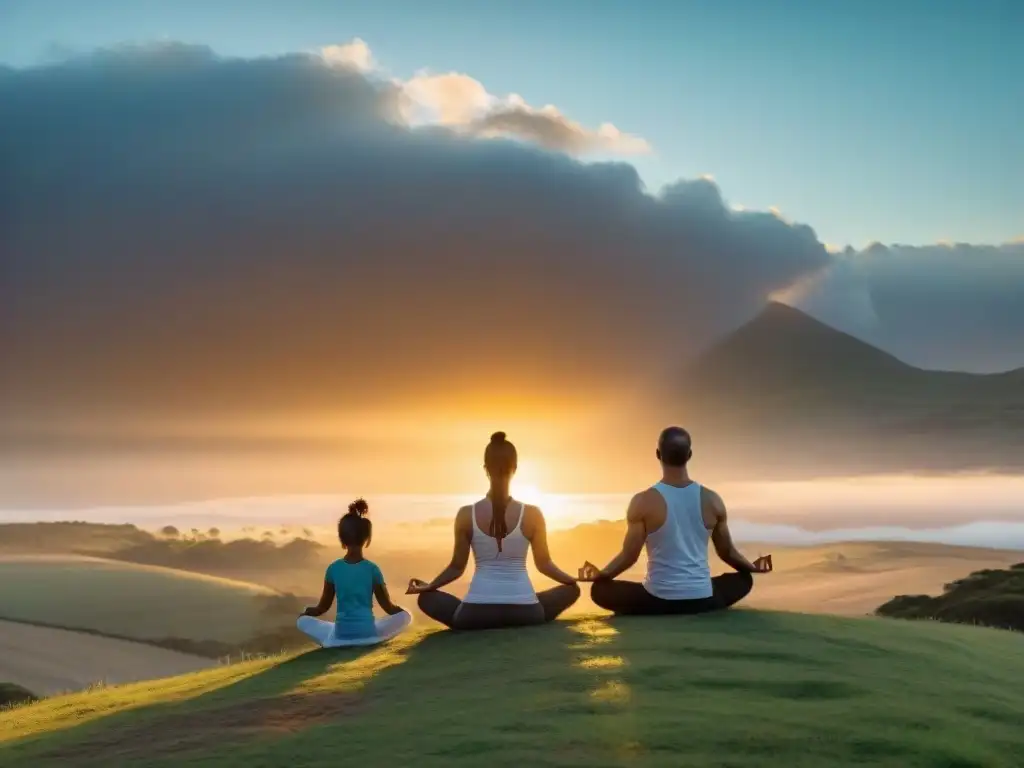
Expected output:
(323, 631)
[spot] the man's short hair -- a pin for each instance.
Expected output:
(674, 447)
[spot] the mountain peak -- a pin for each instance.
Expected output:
(778, 312)
(782, 337)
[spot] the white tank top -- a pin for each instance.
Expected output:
(500, 577)
(677, 553)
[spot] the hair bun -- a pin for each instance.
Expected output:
(498, 437)
(358, 507)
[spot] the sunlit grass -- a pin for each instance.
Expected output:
(612, 692)
(593, 632)
(601, 662)
(60, 712)
(353, 674)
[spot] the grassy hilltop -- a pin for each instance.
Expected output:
(737, 689)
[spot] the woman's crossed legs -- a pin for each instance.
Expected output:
(455, 614)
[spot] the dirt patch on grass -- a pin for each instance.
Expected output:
(196, 731)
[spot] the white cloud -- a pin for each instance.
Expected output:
(548, 127)
(355, 54)
(450, 99)
(463, 104)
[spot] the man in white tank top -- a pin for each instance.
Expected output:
(674, 521)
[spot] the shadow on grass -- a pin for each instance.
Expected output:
(147, 724)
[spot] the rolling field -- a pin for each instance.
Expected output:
(127, 600)
(736, 689)
(854, 578)
(51, 661)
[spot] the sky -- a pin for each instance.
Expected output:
(309, 238)
(873, 121)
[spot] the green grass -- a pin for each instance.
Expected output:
(127, 600)
(738, 689)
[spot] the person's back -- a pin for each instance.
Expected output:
(674, 520)
(499, 531)
(353, 586)
(677, 552)
(354, 582)
(500, 575)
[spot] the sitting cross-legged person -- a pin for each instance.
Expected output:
(355, 581)
(674, 521)
(499, 531)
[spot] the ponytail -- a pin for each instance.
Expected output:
(354, 528)
(500, 460)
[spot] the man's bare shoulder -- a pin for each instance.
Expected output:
(644, 503)
(647, 497)
(711, 501)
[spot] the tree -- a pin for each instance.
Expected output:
(214, 533)
(170, 532)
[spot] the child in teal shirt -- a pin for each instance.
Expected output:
(354, 581)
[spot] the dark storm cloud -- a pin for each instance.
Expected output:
(181, 231)
(185, 230)
(957, 306)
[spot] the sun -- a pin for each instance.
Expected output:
(552, 505)
(528, 493)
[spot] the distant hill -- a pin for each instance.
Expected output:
(991, 597)
(70, 537)
(197, 553)
(787, 392)
(11, 694)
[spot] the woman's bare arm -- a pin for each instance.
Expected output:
(460, 556)
(326, 599)
(541, 555)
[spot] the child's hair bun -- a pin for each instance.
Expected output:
(498, 437)
(358, 507)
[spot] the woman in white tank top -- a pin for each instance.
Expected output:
(499, 531)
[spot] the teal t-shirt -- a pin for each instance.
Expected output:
(353, 587)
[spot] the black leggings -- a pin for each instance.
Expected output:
(455, 614)
(630, 598)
